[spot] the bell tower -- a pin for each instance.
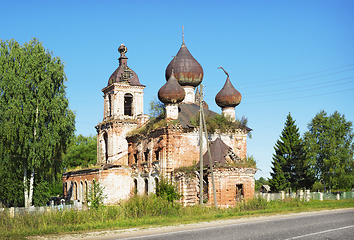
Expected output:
(122, 112)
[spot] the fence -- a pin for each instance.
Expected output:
(78, 206)
(18, 211)
(307, 195)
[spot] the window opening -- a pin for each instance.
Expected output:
(239, 192)
(156, 183)
(75, 191)
(135, 186)
(157, 155)
(146, 186)
(136, 158)
(109, 105)
(105, 147)
(81, 192)
(205, 188)
(128, 100)
(86, 191)
(146, 154)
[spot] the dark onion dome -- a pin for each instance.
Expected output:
(228, 95)
(124, 74)
(171, 92)
(188, 71)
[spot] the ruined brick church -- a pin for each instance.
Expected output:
(134, 152)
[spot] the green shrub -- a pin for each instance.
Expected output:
(140, 206)
(167, 190)
(317, 186)
(95, 195)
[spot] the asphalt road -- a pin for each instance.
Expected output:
(333, 224)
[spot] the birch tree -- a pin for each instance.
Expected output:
(329, 146)
(35, 120)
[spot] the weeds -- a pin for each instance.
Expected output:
(141, 206)
(167, 190)
(143, 211)
(151, 125)
(223, 124)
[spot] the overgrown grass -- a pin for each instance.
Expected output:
(153, 124)
(189, 171)
(77, 168)
(223, 124)
(143, 211)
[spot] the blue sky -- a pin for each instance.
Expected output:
(282, 56)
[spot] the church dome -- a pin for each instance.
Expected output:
(187, 70)
(171, 92)
(124, 74)
(228, 95)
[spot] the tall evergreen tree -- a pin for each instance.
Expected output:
(278, 182)
(289, 165)
(35, 120)
(329, 146)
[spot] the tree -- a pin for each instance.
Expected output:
(167, 190)
(35, 120)
(278, 182)
(289, 165)
(157, 108)
(329, 146)
(95, 195)
(260, 182)
(11, 181)
(82, 151)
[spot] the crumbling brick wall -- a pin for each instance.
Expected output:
(232, 185)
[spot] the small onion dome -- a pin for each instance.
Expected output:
(124, 74)
(228, 95)
(188, 71)
(171, 92)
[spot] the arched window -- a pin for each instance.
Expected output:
(109, 105)
(105, 147)
(146, 155)
(81, 192)
(146, 186)
(136, 158)
(71, 190)
(157, 155)
(75, 191)
(128, 104)
(135, 186)
(86, 190)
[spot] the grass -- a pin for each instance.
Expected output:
(151, 125)
(77, 168)
(146, 212)
(223, 124)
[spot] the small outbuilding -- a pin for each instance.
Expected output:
(264, 189)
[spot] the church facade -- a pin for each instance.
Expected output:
(135, 152)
